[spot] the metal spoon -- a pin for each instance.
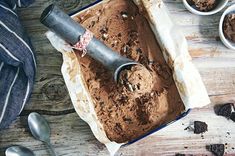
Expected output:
(62, 24)
(40, 129)
(18, 151)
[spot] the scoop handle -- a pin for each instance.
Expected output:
(62, 24)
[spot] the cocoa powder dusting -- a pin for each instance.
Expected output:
(153, 99)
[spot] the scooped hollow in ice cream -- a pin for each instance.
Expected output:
(229, 27)
(136, 79)
(203, 5)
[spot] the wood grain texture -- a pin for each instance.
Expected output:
(71, 136)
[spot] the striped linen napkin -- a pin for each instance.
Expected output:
(17, 62)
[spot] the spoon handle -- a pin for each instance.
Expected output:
(52, 151)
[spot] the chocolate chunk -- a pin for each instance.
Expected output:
(133, 38)
(105, 36)
(92, 23)
(118, 128)
(125, 49)
(223, 110)
(104, 30)
(124, 15)
(139, 51)
(216, 149)
(200, 127)
(232, 117)
(127, 120)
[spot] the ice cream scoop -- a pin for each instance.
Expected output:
(71, 31)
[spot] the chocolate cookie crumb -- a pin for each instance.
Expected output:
(232, 116)
(216, 149)
(202, 136)
(200, 127)
(179, 154)
(223, 110)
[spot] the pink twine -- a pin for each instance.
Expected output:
(83, 42)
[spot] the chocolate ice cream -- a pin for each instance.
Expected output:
(203, 5)
(153, 99)
(229, 27)
(136, 79)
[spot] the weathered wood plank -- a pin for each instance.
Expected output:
(78, 138)
(71, 136)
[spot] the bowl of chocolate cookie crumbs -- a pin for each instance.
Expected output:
(205, 7)
(227, 27)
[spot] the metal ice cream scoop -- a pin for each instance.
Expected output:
(62, 24)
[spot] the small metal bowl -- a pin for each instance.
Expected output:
(219, 7)
(227, 42)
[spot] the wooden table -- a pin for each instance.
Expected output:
(72, 136)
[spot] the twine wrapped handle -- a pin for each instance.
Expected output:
(83, 42)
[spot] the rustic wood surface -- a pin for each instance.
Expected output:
(71, 136)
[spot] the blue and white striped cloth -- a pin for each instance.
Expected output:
(17, 62)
